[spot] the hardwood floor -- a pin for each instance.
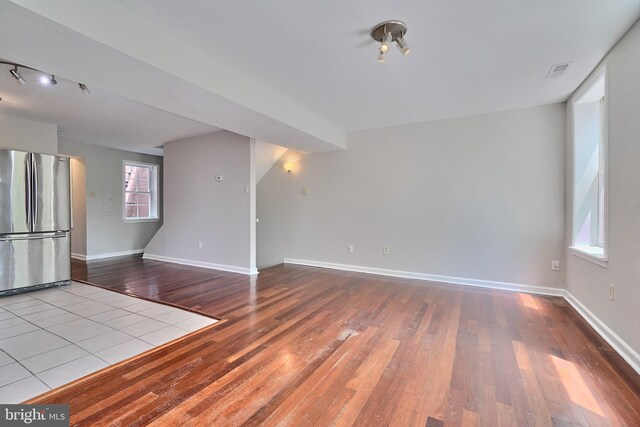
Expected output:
(308, 346)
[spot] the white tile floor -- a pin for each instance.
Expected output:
(54, 336)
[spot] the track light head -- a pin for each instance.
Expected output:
(403, 46)
(381, 56)
(49, 81)
(384, 43)
(16, 75)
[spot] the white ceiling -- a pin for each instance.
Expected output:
(468, 56)
(302, 74)
(97, 118)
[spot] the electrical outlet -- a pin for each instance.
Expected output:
(555, 265)
(385, 250)
(350, 249)
(612, 291)
(200, 244)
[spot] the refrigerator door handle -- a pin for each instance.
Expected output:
(34, 166)
(27, 198)
(32, 236)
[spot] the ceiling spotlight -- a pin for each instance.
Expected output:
(84, 88)
(384, 44)
(387, 32)
(16, 75)
(403, 46)
(48, 81)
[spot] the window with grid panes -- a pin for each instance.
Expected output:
(140, 191)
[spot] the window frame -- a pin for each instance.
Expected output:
(154, 196)
(598, 254)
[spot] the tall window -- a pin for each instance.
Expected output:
(140, 191)
(589, 168)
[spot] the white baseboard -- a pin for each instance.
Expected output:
(113, 254)
(618, 344)
(81, 257)
(212, 266)
(543, 290)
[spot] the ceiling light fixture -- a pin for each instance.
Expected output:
(45, 79)
(387, 32)
(16, 75)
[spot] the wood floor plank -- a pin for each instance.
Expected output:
(308, 346)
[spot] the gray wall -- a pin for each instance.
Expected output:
(198, 208)
(273, 209)
(28, 135)
(78, 208)
(587, 281)
(107, 233)
(478, 197)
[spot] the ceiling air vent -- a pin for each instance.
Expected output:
(557, 70)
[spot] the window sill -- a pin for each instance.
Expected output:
(594, 254)
(132, 220)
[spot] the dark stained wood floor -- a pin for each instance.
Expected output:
(308, 346)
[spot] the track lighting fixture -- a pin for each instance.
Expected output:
(387, 32)
(45, 79)
(16, 75)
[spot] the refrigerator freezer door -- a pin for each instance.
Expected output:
(14, 192)
(51, 191)
(34, 259)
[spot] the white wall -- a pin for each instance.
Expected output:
(587, 281)
(479, 197)
(198, 208)
(28, 135)
(107, 233)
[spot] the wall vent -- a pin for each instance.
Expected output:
(557, 70)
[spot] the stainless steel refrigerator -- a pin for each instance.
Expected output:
(35, 221)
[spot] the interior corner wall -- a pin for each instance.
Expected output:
(198, 208)
(587, 281)
(273, 210)
(107, 233)
(28, 135)
(478, 197)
